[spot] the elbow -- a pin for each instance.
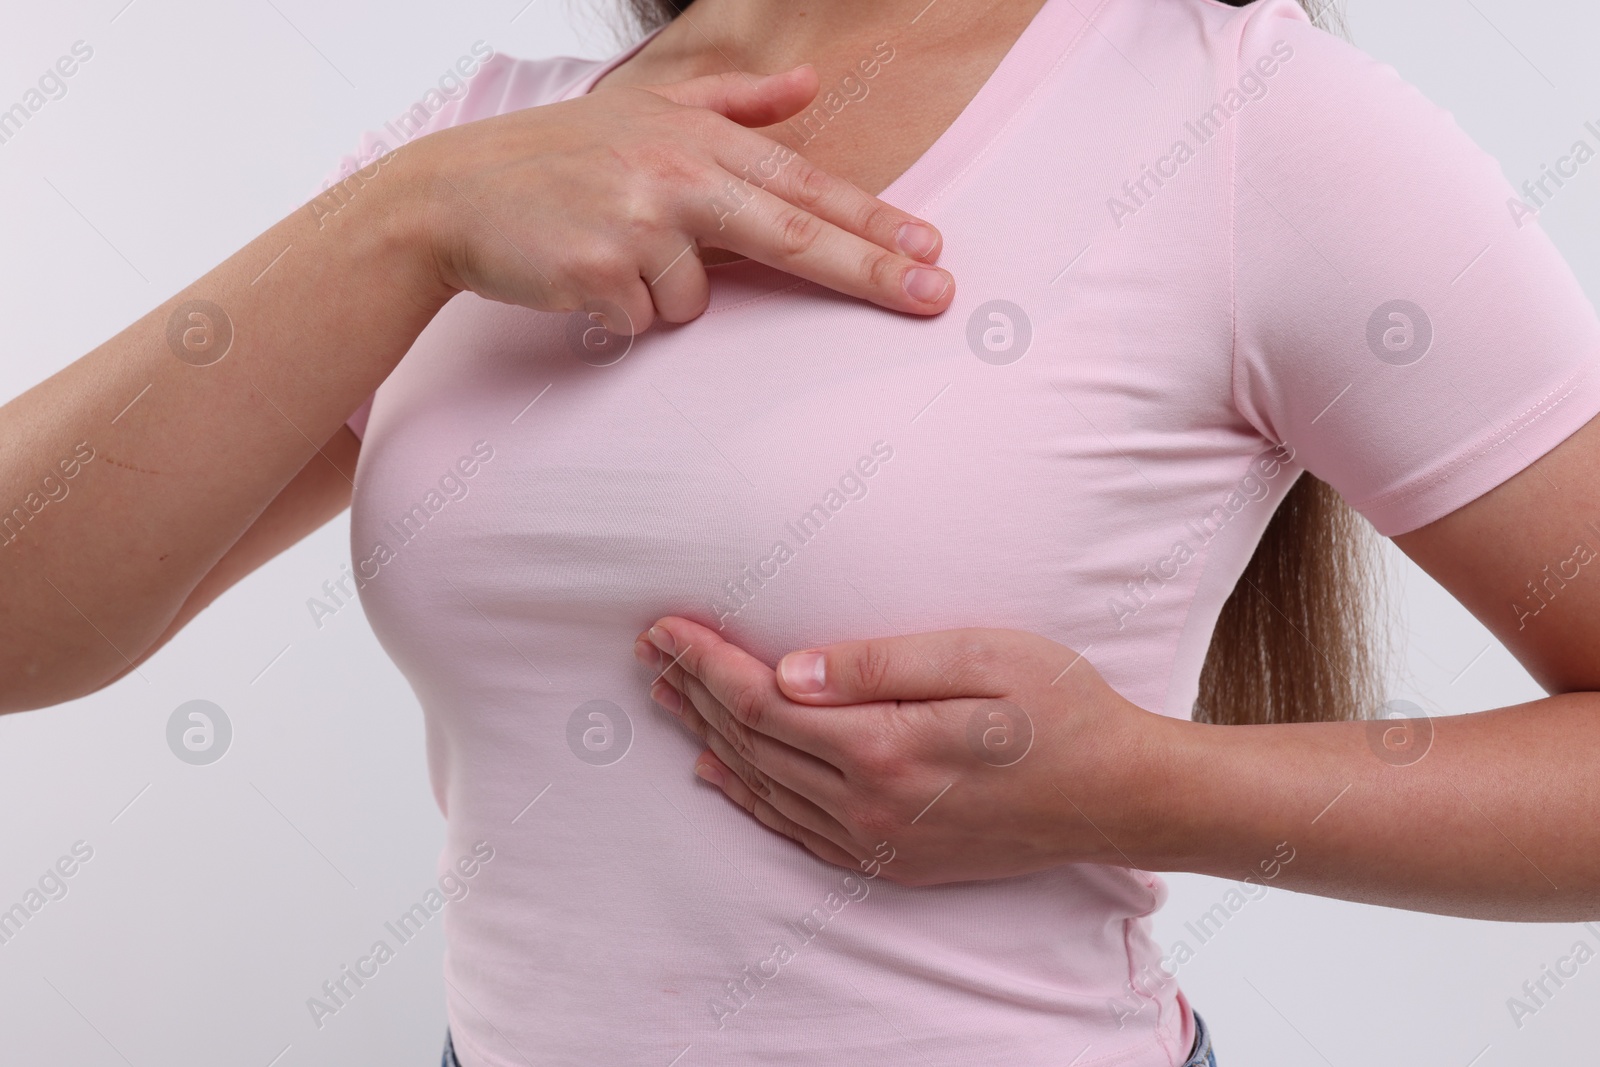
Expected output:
(34, 679)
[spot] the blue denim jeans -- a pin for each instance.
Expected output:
(1200, 1056)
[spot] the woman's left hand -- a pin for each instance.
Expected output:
(973, 753)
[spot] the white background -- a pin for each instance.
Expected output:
(221, 897)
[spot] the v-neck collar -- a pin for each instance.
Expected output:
(1045, 43)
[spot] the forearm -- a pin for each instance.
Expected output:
(93, 567)
(1497, 820)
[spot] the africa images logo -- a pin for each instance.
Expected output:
(199, 732)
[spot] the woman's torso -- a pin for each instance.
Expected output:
(1060, 452)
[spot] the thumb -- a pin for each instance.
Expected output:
(942, 665)
(753, 100)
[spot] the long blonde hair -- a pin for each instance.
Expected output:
(1296, 640)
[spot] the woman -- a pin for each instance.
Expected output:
(1200, 248)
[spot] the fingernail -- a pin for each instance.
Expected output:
(916, 239)
(667, 697)
(646, 653)
(709, 773)
(925, 284)
(661, 639)
(803, 672)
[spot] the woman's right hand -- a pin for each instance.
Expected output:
(223, 461)
(604, 200)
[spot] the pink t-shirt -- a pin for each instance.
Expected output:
(1199, 248)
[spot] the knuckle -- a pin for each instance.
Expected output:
(642, 316)
(798, 232)
(882, 270)
(739, 741)
(877, 221)
(759, 784)
(666, 166)
(695, 119)
(691, 714)
(868, 669)
(639, 209)
(687, 307)
(563, 295)
(974, 656)
(745, 705)
(694, 691)
(701, 302)
(687, 657)
(784, 825)
(594, 267)
(809, 187)
(870, 821)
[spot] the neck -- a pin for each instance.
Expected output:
(766, 36)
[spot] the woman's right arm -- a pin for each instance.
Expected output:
(551, 208)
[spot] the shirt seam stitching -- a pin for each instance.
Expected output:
(1496, 438)
(934, 195)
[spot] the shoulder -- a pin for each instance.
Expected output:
(1266, 57)
(1338, 140)
(1314, 84)
(1212, 27)
(1275, 43)
(480, 84)
(493, 84)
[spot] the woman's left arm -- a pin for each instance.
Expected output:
(986, 753)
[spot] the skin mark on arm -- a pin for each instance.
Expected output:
(127, 466)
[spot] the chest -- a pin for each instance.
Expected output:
(795, 466)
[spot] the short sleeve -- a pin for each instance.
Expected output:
(1400, 318)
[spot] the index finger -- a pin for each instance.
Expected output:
(853, 209)
(820, 227)
(780, 234)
